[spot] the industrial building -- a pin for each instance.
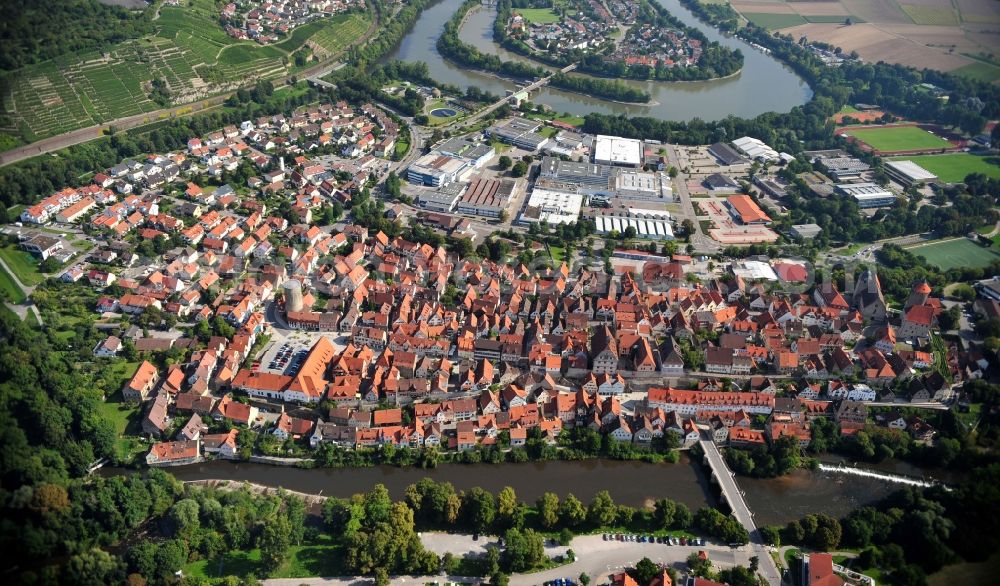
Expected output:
(650, 224)
(843, 168)
(604, 180)
(753, 270)
(806, 231)
(755, 149)
(908, 173)
(639, 185)
(585, 177)
(617, 151)
(553, 207)
(487, 197)
(520, 132)
(475, 153)
(719, 183)
(441, 200)
(436, 170)
(746, 210)
(727, 155)
(868, 195)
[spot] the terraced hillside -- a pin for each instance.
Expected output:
(189, 51)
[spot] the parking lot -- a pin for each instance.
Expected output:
(288, 348)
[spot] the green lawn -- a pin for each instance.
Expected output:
(10, 289)
(319, 558)
(848, 109)
(538, 15)
(23, 264)
(898, 138)
(548, 131)
(953, 167)
(571, 120)
(774, 21)
(979, 71)
(960, 252)
(401, 148)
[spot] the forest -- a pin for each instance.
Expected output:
(39, 30)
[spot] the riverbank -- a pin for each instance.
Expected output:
(774, 501)
(736, 95)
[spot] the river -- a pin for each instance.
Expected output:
(763, 85)
(773, 500)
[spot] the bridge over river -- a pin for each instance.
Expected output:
(733, 497)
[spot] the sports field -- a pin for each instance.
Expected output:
(539, 15)
(898, 138)
(953, 167)
(960, 252)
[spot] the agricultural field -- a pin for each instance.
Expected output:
(939, 15)
(539, 15)
(898, 138)
(953, 167)
(937, 34)
(772, 21)
(958, 252)
(189, 51)
(979, 71)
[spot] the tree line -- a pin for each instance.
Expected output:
(911, 533)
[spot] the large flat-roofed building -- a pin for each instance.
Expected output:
(486, 197)
(477, 154)
(441, 200)
(868, 195)
(639, 185)
(755, 149)
(617, 151)
(553, 207)
(727, 155)
(746, 210)
(435, 170)
(649, 224)
(520, 132)
(908, 173)
(842, 168)
(589, 177)
(806, 231)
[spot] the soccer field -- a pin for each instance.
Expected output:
(898, 138)
(961, 252)
(954, 167)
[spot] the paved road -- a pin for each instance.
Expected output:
(734, 497)
(701, 241)
(82, 135)
(595, 557)
(21, 309)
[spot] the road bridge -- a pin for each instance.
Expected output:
(489, 109)
(733, 497)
